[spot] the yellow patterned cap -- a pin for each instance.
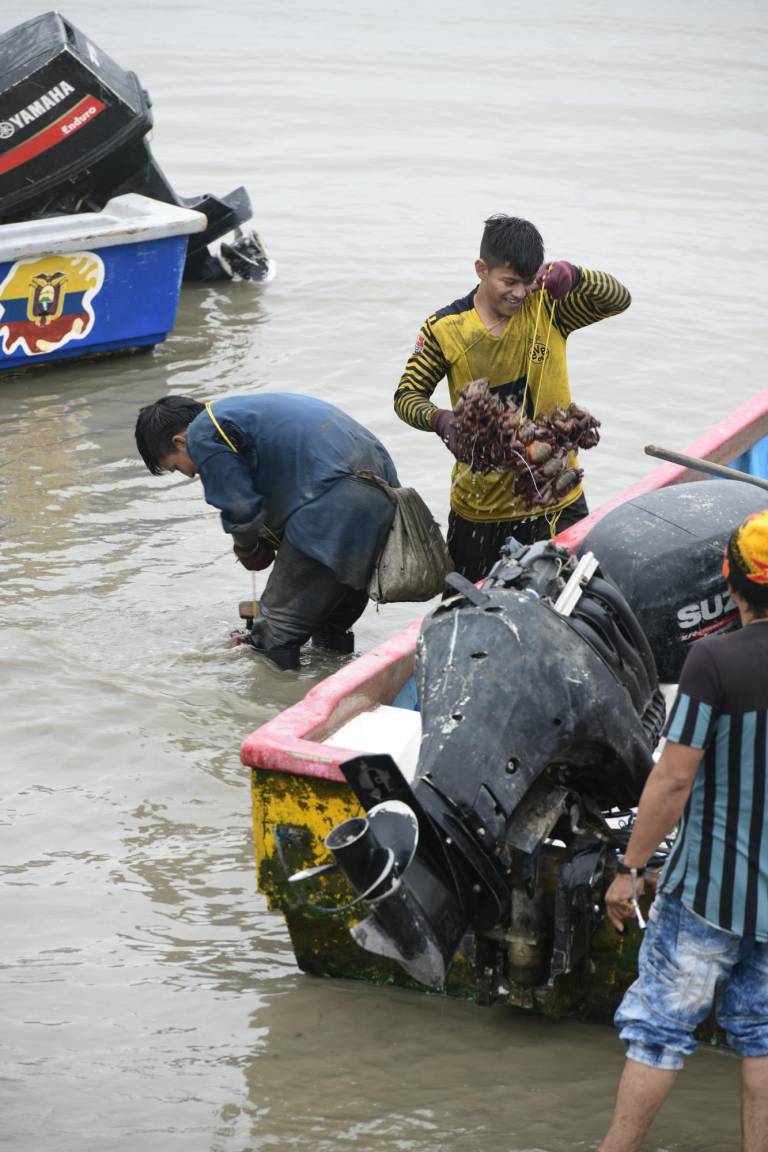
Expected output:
(748, 549)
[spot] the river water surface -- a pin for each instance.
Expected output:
(149, 1000)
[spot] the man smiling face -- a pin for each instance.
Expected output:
(502, 289)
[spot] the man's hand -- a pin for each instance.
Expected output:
(661, 806)
(618, 900)
(444, 424)
(255, 559)
(557, 278)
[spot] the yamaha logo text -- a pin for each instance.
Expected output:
(37, 108)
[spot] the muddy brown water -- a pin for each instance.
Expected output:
(149, 1000)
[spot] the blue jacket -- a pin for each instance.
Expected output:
(293, 476)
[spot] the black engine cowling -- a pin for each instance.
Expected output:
(540, 711)
(534, 720)
(664, 551)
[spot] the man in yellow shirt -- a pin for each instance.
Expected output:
(511, 330)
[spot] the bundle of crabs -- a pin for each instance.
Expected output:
(494, 435)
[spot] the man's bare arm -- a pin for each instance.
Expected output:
(661, 805)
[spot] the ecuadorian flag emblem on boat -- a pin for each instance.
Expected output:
(45, 303)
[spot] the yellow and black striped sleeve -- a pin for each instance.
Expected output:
(424, 370)
(596, 296)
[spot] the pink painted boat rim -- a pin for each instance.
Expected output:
(290, 741)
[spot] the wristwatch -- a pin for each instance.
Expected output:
(624, 870)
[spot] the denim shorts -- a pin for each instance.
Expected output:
(685, 966)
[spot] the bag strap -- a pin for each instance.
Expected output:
(379, 481)
(218, 427)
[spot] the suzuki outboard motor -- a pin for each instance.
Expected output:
(664, 551)
(540, 709)
(73, 129)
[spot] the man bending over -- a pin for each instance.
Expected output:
(283, 471)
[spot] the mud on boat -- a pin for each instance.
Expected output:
(445, 812)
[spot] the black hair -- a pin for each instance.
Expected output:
(510, 240)
(755, 595)
(158, 423)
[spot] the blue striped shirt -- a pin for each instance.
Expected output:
(718, 865)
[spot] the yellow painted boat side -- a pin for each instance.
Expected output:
(292, 815)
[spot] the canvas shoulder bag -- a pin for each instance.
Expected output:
(414, 561)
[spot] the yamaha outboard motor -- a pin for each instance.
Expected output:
(73, 128)
(664, 551)
(540, 710)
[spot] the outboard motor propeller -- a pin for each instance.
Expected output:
(540, 709)
(375, 851)
(73, 128)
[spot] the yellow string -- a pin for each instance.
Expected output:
(265, 531)
(271, 537)
(531, 361)
(219, 428)
(544, 357)
(530, 356)
(552, 519)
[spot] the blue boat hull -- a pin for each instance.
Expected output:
(94, 301)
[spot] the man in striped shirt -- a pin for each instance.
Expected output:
(510, 330)
(707, 937)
